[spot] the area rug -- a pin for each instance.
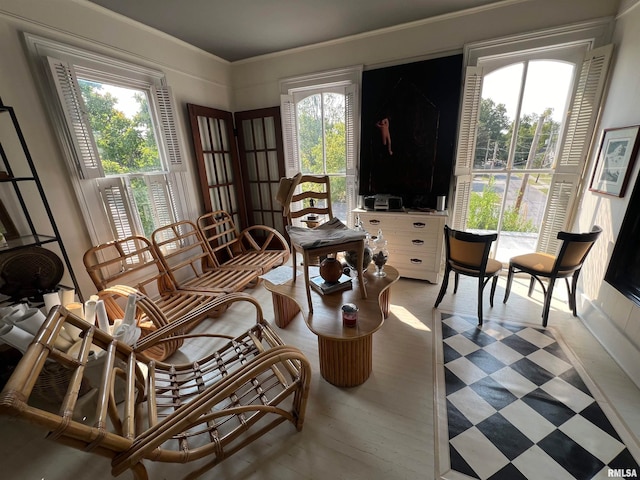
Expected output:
(513, 402)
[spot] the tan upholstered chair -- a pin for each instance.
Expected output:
(468, 254)
(150, 411)
(568, 263)
(305, 195)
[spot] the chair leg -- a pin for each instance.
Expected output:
(480, 290)
(569, 296)
(532, 284)
(456, 278)
(572, 294)
(293, 259)
(443, 288)
(547, 302)
(306, 260)
(508, 289)
(494, 284)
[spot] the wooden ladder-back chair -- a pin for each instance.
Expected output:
(306, 195)
(208, 408)
(468, 254)
(568, 263)
(121, 267)
(329, 237)
(191, 265)
(258, 246)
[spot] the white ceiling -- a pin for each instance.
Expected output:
(239, 29)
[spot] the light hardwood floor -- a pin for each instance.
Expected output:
(383, 429)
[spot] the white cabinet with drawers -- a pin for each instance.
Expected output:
(415, 240)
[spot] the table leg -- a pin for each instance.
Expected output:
(284, 309)
(346, 363)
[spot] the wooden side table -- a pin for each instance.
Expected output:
(346, 354)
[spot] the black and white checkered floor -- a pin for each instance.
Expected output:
(518, 406)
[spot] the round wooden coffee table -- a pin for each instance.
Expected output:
(346, 353)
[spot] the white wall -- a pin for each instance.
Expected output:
(255, 81)
(613, 318)
(194, 76)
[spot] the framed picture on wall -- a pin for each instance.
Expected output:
(616, 156)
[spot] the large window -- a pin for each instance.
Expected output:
(116, 127)
(522, 109)
(322, 143)
(319, 124)
(525, 132)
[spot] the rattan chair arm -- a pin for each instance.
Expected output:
(192, 414)
(272, 234)
(180, 325)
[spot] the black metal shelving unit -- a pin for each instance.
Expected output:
(33, 238)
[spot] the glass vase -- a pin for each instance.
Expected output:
(380, 255)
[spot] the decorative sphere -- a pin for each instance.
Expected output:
(330, 270)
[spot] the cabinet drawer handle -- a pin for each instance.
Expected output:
(417, 242)
(419, 225)
(416, 260)
(374, 222)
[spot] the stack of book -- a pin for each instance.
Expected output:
(325, 288)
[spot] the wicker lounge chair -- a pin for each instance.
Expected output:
(207, 409)
(257, 246)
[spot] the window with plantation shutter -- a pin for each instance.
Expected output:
(320, 125)
(521, 148)
(115, 122)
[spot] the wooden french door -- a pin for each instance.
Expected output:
(262, 161)
(240, 177)
(218, 168)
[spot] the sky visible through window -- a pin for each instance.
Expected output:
(127, 104)
(547, 86)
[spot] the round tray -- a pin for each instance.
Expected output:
(29, 271)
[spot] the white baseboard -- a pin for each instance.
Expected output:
(625, 353)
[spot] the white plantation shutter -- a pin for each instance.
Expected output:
(562, 194)
(351, 134)
(168, 129)
(119, 207)
(466, 145)
(85, 152)
(290, 135)
(161, 200)
(461, 206)
(576, 145)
